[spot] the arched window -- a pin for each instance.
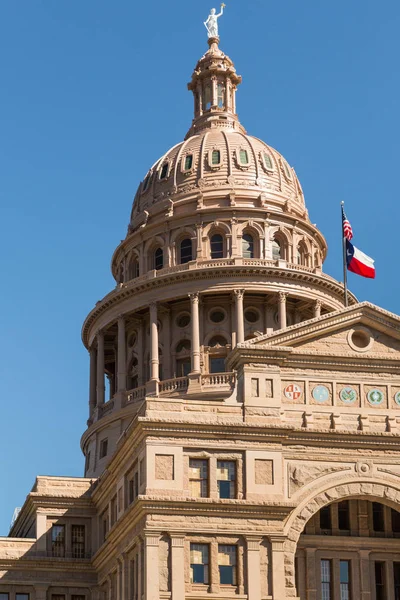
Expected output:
(247, 246)
(185, 250)
(164, 170)
(244, 157)
(146, 183)
(299, 256)
(217, 246)
(276, 250)
(158, 259)
(217, 340)
(221, 95)
(207, 98)
(188, 162)
(183, 361)
(134, 267)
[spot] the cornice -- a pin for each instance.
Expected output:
(279, 274)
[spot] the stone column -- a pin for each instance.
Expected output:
(195, 332)
(253, 568)
(167, 374)
(233, 323)
(311, 583)
(152, 585)
(100, 368)
(92, 380)
(121, 354)
(239, 315)
(278, 568)
(317, 308)
(140, 354)
(365, 577)
(268, 317)
(282, 310)
(177, 570)
(41, 592)
(154, 359)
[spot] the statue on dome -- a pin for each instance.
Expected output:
(212, 22)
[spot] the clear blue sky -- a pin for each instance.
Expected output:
(92, 93)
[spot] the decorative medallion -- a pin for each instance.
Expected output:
(348, 395)
(320, 393)
(375, 397)
(292, 391)
(397, 398)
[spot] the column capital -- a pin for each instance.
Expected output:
(153, 305)
(151, 538)
(253, 542)
(177, 540)
(121, 317)
(318, 303)
(277, 543)
(282, 296)
(194, 298)
(238, 294)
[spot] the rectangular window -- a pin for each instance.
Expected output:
(344, 570)
(58, 597)
(188, 162)
(4, 596)
(103, 448)
(380, 588)
(217, 364)
(198, 478)
(344, 515)
(226, 478)
(113, 510)
(58, 540)
(326, 579)
(395, 521)
(21, 596)
(396, 575)
(199, 563)
(378, 517)
(75, 597)
(227, 559)
(104, 524)
(120, 500)
(325, 518)
(215, 157)
(244, 157)
(78, 541)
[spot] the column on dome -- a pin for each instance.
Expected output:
(100, 369)
(92, 380)
(317, 308)
(121, 355)
(238, 295)
(154, 358)
(195, 332)
(282, 310)
(140, 352)
(268, 317)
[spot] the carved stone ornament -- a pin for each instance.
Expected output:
(300, 475)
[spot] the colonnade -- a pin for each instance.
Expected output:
(97, 350)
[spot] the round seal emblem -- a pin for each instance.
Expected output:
(375, 397)
(397, 398)
(348, 395)
(292, 391)
(320, 393)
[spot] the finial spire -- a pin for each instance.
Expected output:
(212, 22)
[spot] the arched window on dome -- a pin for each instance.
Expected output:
(276, 249)
(158, 259)
(248, 246)
(164, 170)
(207, 97)
(214, 158)
(134, 267)
(267, 162)
(217, 354)
(182, 358)
(146, 182)
(301, 254)
(185, 251)
(217, 246)
(221, 95)
(243, 157)
(188, 162)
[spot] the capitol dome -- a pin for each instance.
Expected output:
(219, 250)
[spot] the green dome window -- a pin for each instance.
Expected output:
(188, 162)
(244, 157)
(267, 160)
(215, 157)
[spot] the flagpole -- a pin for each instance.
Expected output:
(346, 302)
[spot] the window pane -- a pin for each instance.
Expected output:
(221, 95)
(22, 597)
(188, 162)
(268, 162)
(217, 246)
(217, 364)
(226, 478)
(244, 157)
(164, 171)
(198, 478)
(344, 515)
(199, 563)
(325, 521)
(227, 564)
(207, 98)
(380, 590)
(186, 250)
(58, 540)
(216, 157)
(325, 579)
(4, 596)
(396, 575)
(344, 580)
(395, 521)
(226, 575)
(247, 246)
(276, 250)
(158, 259)
(377, 516)
(78, 541)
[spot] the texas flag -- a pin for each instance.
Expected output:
(358, 262)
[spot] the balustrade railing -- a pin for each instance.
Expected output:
(179, 384)
(219, 380)
(136, 394)
(107, 408)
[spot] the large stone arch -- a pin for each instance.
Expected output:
(369, 488)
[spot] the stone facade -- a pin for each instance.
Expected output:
(248, 443)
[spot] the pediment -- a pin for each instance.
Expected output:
(360, 329)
